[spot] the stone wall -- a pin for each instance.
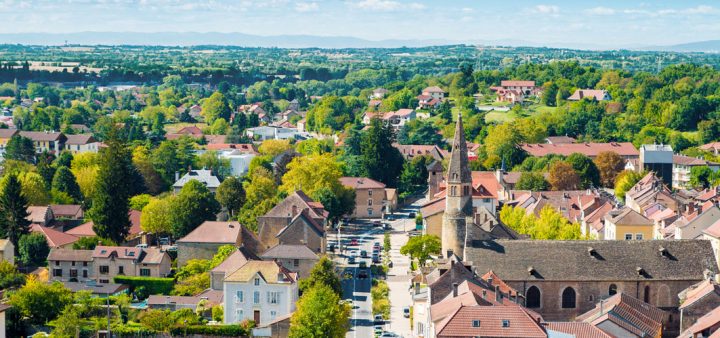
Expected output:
(188, 251)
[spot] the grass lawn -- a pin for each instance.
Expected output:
(174, 127)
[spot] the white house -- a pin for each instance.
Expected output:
(3, 307)
(263, 133)
(261, 291)
(239, 161)
(81, 143)
(203, 176)
(434, 91)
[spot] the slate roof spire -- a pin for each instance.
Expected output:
(458, 168)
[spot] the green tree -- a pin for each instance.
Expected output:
(69, 323)
(533, 181)
(701, 177)
(336, 204)
(138, 202)
(13, 211)
(216, 106)
(231, 194)
(549, 95)
(624, 181)
(260, 191)
(323, 273)
(89, 243)
(413, 178)
(64, 181)
(192, 206)
(379, 159)
(157, 216)
(586, 170)
(421, 247)
(39, 302)
(312, 173)
(113, 187)
(503, 142)
(9, 276)
(20, 148)
(34, 188)
(320, 314)
(218, 165)
(33, 249)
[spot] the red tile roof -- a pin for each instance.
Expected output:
(588, 149)
(577, 329)
(709, 320)
(121, 252)
(460, 323)
(597, 94)
(433, 207)
(632, 314)
(86, 229)
(698, 291)
(54, 237)
(214, 232)
(361, 183)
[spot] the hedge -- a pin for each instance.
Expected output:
(212, 330)
(153, 285)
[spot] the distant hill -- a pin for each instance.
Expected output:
(211, 38)
(709, 46)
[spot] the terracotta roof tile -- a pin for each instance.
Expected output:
(577, 329)
(492, 323)
(58, 254)
(588, 149)
(285, 251)
(711, 319)
(361, 183)
(55, 238)
(270, 271)
(214, 232)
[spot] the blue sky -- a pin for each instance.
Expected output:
(616, 23)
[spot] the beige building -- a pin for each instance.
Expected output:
(52, 142)
(297, 209)
(7, 251)
(3, 307)
(370, 196)
(627, 224)
(111, 261)
(68, 265)
(233, 262)
(82, 143)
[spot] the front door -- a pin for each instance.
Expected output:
(256, 317)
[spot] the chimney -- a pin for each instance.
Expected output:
(177, 175)
(498, 295)
(581, 93)
(455, 290)
(484, 294)
(490, 280)
(449, 254)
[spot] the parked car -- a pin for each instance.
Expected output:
(351, 260)
(377, 223)
(411, 215)
(353, 242)
(406, 312)
(362, 274)
(387, 334)
(375, 258)
(363, 264)
(363, 254)
(142, 246)
(378, 319)
(378, 330)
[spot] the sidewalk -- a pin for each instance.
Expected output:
(399, 280)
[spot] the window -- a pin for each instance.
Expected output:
(239, 314)
(639, 237)
(466, 191)
(104, 281)
(57, 272)
(121, 270)
(646, 297)
(273, 314)
(370, 211)
(568, 298)
(73, 263)
(370, 192)
(612, 289)
(420, 329)
(85, 273)
(257, 281)
(369, 201)
(84, 263)
(104, 269)
(486, 200)
(453, 191)
(57, 263)
(506, 323)
(296, 262)
(239, 297)
(73, 273)
(256, 297)
(145, 272)
(273, 297)
(628, 237)
(533, 297)
(476, 323)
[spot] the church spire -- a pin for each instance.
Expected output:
(458, 168)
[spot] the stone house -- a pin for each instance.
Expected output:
(693, 229)
(204, 241)
(261, 291)
(68, 265)
(297, 258)
(287, 212)
(369, 196)
(562, 279)
(712, 234)
(7, 251)
(305, 231)
(110, 261)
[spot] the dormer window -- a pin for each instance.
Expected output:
(505, 323)
(257, 281)
(476, 323)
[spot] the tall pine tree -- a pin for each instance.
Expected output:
(114, 187)
(13, 211)
(381, 160)
(64, 181)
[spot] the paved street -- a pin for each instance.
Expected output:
(398, 279)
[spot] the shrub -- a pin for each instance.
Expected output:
(212, 330)
(152, 285)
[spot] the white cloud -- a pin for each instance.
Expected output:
(601, 11)
(467, 10)
(385, 5)
(307, 6)
(546, 9)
